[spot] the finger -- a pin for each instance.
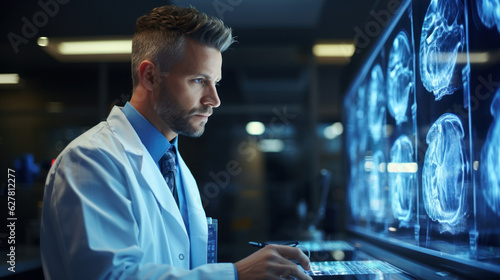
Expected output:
(293, 253)
(291, 269)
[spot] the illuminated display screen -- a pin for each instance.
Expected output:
(374, 267)
(423, 132)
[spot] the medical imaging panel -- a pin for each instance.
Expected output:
(402, 185)
(357, 193)
(376, 183)
(423, 135)
(361, 116)
(489, 13)
(445, 166)
(376, 103)
(442, 40)
(490, 160)
(400, 73)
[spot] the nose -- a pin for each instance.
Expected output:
(211, 97)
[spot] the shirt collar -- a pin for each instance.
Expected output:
(156, 144)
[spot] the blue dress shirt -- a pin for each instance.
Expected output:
(157, 145)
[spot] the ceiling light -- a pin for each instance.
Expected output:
(369, 165)
(43, 41)
(334, 50)
(9, 79)
(90, 49)
(334, 130)
(95, 47)
(255, 128)
(271, 145)
(402, 167)
(479, 57)
(462, 58)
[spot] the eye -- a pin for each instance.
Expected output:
(199, 80)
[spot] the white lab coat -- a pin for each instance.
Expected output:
(108, 213)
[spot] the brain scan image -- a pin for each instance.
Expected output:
(376, 182)
(442, 39)
(444, 172)
(489, 13)
(358, 195)
(399, 80)
(490, 160)
(402, 185)
(361, 119)
(353, 193)
(376, 103)
(352, 137)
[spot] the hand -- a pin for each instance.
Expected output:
(274, 261)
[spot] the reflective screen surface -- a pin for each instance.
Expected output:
(441, 41)
(423, 132)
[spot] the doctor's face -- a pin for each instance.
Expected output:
(188, 92)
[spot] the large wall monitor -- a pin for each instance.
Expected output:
(423, 133)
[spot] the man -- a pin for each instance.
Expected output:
(111, 210)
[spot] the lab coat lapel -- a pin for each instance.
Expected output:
(158, 186)
(143, 162)
(197, 219)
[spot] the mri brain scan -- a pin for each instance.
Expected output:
(376, 183)
(399, 80)
(444, 172)
(490, 160)
(402, 184)
(376, 103)
(352, 137)
(353, 192)
(442, 39)
(361, 119)
(489, 12)
(358, 196)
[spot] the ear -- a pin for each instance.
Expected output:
(148, 76)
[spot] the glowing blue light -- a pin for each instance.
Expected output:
(490, 160)
(402, 185)
(271, 145)
(358, 195)
(399, 81)
(442, 39)
(361, 118)
(376, 182)
(489, 12)
(444, 172)
(352, 190)
(333, 131)
(352, 138)
(376, 103)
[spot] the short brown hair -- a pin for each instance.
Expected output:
(161, 34)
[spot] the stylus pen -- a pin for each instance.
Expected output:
(264, 244)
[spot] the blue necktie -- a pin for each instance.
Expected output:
(168, 169)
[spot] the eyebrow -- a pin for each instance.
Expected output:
(208, 77)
